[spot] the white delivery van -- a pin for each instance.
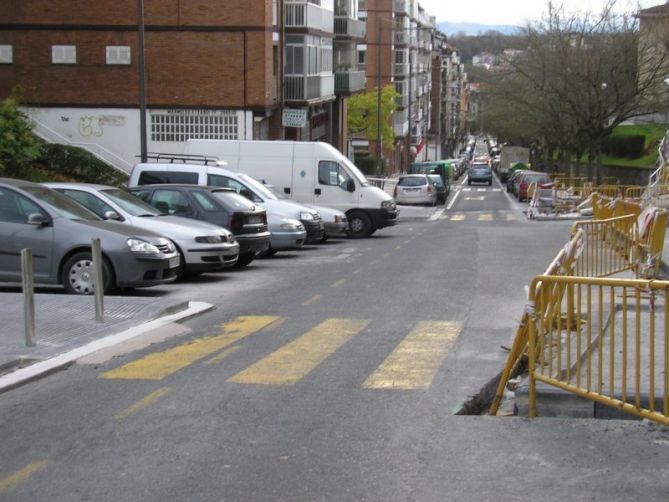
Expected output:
(310, 172)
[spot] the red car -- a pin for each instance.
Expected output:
(526, 179)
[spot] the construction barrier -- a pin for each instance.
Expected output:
(606, 340)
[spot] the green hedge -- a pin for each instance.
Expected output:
(632, 146)
(367, 165)
(78, 164)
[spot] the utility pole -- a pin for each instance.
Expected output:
(379, 136)
(142, 82)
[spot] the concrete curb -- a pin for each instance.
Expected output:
(38, 370)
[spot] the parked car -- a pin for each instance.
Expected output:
(415, 189)
(287, 234)
(59, 232)
(479, 173)
(439, 186)
(202, 246)
(334, 220)
(512, 182)
(526, 179)
(220, 206)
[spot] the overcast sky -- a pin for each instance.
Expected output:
(516, 12)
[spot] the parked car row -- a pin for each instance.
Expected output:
(150, 234)
(520, 180)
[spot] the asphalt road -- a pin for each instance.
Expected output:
(330, 374)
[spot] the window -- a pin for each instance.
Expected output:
(223, 181)
(15, 208)
(118, 54)
(153, 177)
(6, 54)
(171, 202)
(332, 174)
(205, 201)
(180, 127)
(63, 54)
(93, 203)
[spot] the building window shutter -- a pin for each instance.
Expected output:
(118, 54)
(63, 54)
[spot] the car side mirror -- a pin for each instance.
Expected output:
(350, 185)
(37, 219)
(112, 215)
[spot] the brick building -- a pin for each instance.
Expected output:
(239, 69)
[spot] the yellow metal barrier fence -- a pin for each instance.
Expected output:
(609, 246)
(606, 340)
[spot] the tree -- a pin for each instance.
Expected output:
(363, 114)
(579, 78)
(18, 146)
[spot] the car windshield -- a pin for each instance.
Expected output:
(277, 194)
(355, 172)
(131, 204)
(62, 204)
(232, 200)
(412, 181)
(257, 187)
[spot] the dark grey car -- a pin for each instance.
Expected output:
(59, 232)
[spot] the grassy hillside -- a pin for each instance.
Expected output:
(653, 134)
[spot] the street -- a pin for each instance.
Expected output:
(332, 373)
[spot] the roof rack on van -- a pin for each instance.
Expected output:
(176, 157)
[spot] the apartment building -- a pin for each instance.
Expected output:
(239, 69)
(399, 51)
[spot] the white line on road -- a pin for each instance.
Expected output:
(437, 214)
(450, 204)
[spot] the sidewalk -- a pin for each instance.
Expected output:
(66, 330)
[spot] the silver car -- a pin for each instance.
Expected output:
(59, 233)
(415, 189)
(201, 246)
(287, 233)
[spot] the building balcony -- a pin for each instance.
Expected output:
(348, 28)
(308, 15)
(349, 82)
(402, 101)
(401, 7)
(309, 88)
(401, 69)
(400, 123)
(401, 38)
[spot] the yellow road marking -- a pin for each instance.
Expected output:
(161, 364)
(223, 354)
(293, 361)
(311, 300)
(338, 283)
(21, 475)
(485, 217)
(510, 217)
(143, 403)
(457, 217)
(416, 360)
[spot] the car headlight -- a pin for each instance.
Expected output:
(142, 247)
(304, 215)
(291, 227)
(388, 204)
(210, 239)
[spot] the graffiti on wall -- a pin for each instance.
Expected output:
(91, 126)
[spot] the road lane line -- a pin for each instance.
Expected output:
(338, 283)
(143, 403)
(158, 365)
(455, 197)
(311, 300)
(485, 217)
(21, 475)
(458, 217)
(415, 361)
(437, 214)
(293, 361)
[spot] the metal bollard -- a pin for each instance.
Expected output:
(98, 280)
(28, 296)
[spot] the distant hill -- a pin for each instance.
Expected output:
(473, 29)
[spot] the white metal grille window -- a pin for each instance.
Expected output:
(6, 54)
(180, 127)
(118, 54)
(63, 54)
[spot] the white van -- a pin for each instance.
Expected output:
(180, 171)
(310, 172)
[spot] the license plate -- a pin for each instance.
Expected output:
(254, 219)
(174, 262)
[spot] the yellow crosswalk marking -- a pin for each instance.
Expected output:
(289, 364)
(21, 475)
(143, 403)
(416, 360)
(457, 217)
(510, 217)
(161, 364)
(485, 217)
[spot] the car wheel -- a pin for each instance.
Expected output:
(359, 225)
(78, 274)
(245, 259)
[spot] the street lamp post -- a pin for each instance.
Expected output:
(379, 135)
(142, 82)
